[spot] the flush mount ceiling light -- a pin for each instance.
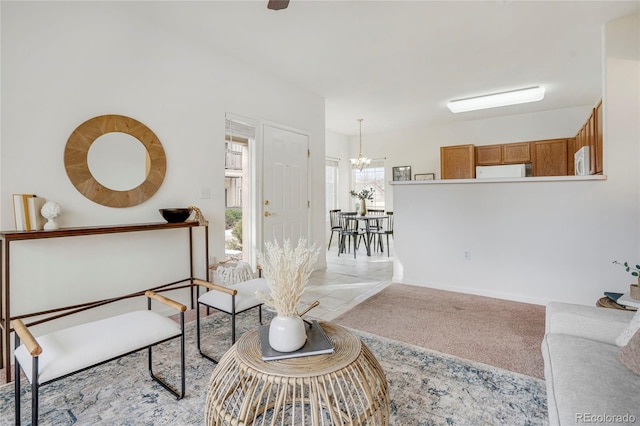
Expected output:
(360, 162)
(512, 97)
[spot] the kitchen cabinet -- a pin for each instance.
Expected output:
(598, 135)
(572, 147)
(458, 162)
(508, 153)
(590, 134)
(516, 153)
(550, 157)
(488, 155)
(591, 139)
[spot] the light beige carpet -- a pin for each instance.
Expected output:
(497, 332)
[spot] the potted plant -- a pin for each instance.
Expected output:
(287, 270)
(363, 196)
(634, 289)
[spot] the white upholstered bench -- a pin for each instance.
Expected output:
(61, 353)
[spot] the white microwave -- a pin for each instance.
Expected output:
(581, 161)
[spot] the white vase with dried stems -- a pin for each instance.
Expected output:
(287, 270)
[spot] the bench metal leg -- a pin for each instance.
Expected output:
(179, 395)
(35, 402)
(16, 391)
(233, 320)
(34, 388)
(198, 334)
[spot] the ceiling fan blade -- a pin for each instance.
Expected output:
(277, 4)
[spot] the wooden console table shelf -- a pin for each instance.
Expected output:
(91, 230)
(5, 263)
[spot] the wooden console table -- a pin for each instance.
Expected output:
(345, 387)
(5, 265)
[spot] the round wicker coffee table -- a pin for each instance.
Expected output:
(345, 387)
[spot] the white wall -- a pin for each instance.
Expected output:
(65, 62)
(535, 241)
(338, 146)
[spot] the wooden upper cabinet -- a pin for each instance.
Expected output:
(458, 162)
(550, 157)
(598, 137)
(591, 141)
(515, 153)
(488, 155)
(509, 153)
(590, 134)
(571, 148)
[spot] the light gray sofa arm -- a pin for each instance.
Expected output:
(589, 322)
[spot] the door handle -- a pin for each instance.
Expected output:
(267, 214)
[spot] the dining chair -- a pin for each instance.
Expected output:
(349, 228)
(334, 223)
(374, 225)
(385, 230)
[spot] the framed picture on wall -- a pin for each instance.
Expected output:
(402, 173)
(424, 176)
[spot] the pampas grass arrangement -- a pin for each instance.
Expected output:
(287, 270)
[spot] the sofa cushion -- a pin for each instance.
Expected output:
(599, 324)
(585, 378)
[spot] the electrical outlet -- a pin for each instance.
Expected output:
(467, 254)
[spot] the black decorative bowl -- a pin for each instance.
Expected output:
(175, 215)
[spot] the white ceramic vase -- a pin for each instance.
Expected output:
(287, 334)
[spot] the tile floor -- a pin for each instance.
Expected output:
(347, 281)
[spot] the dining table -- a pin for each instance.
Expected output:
(367, 221)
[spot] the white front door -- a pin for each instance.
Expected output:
(285, 193)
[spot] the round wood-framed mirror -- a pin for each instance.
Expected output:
(77, 166)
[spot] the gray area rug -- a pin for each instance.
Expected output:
(426, 387)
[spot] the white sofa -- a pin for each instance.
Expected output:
(586, 382)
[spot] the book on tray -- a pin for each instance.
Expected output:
(317, 344)
(613, 296)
